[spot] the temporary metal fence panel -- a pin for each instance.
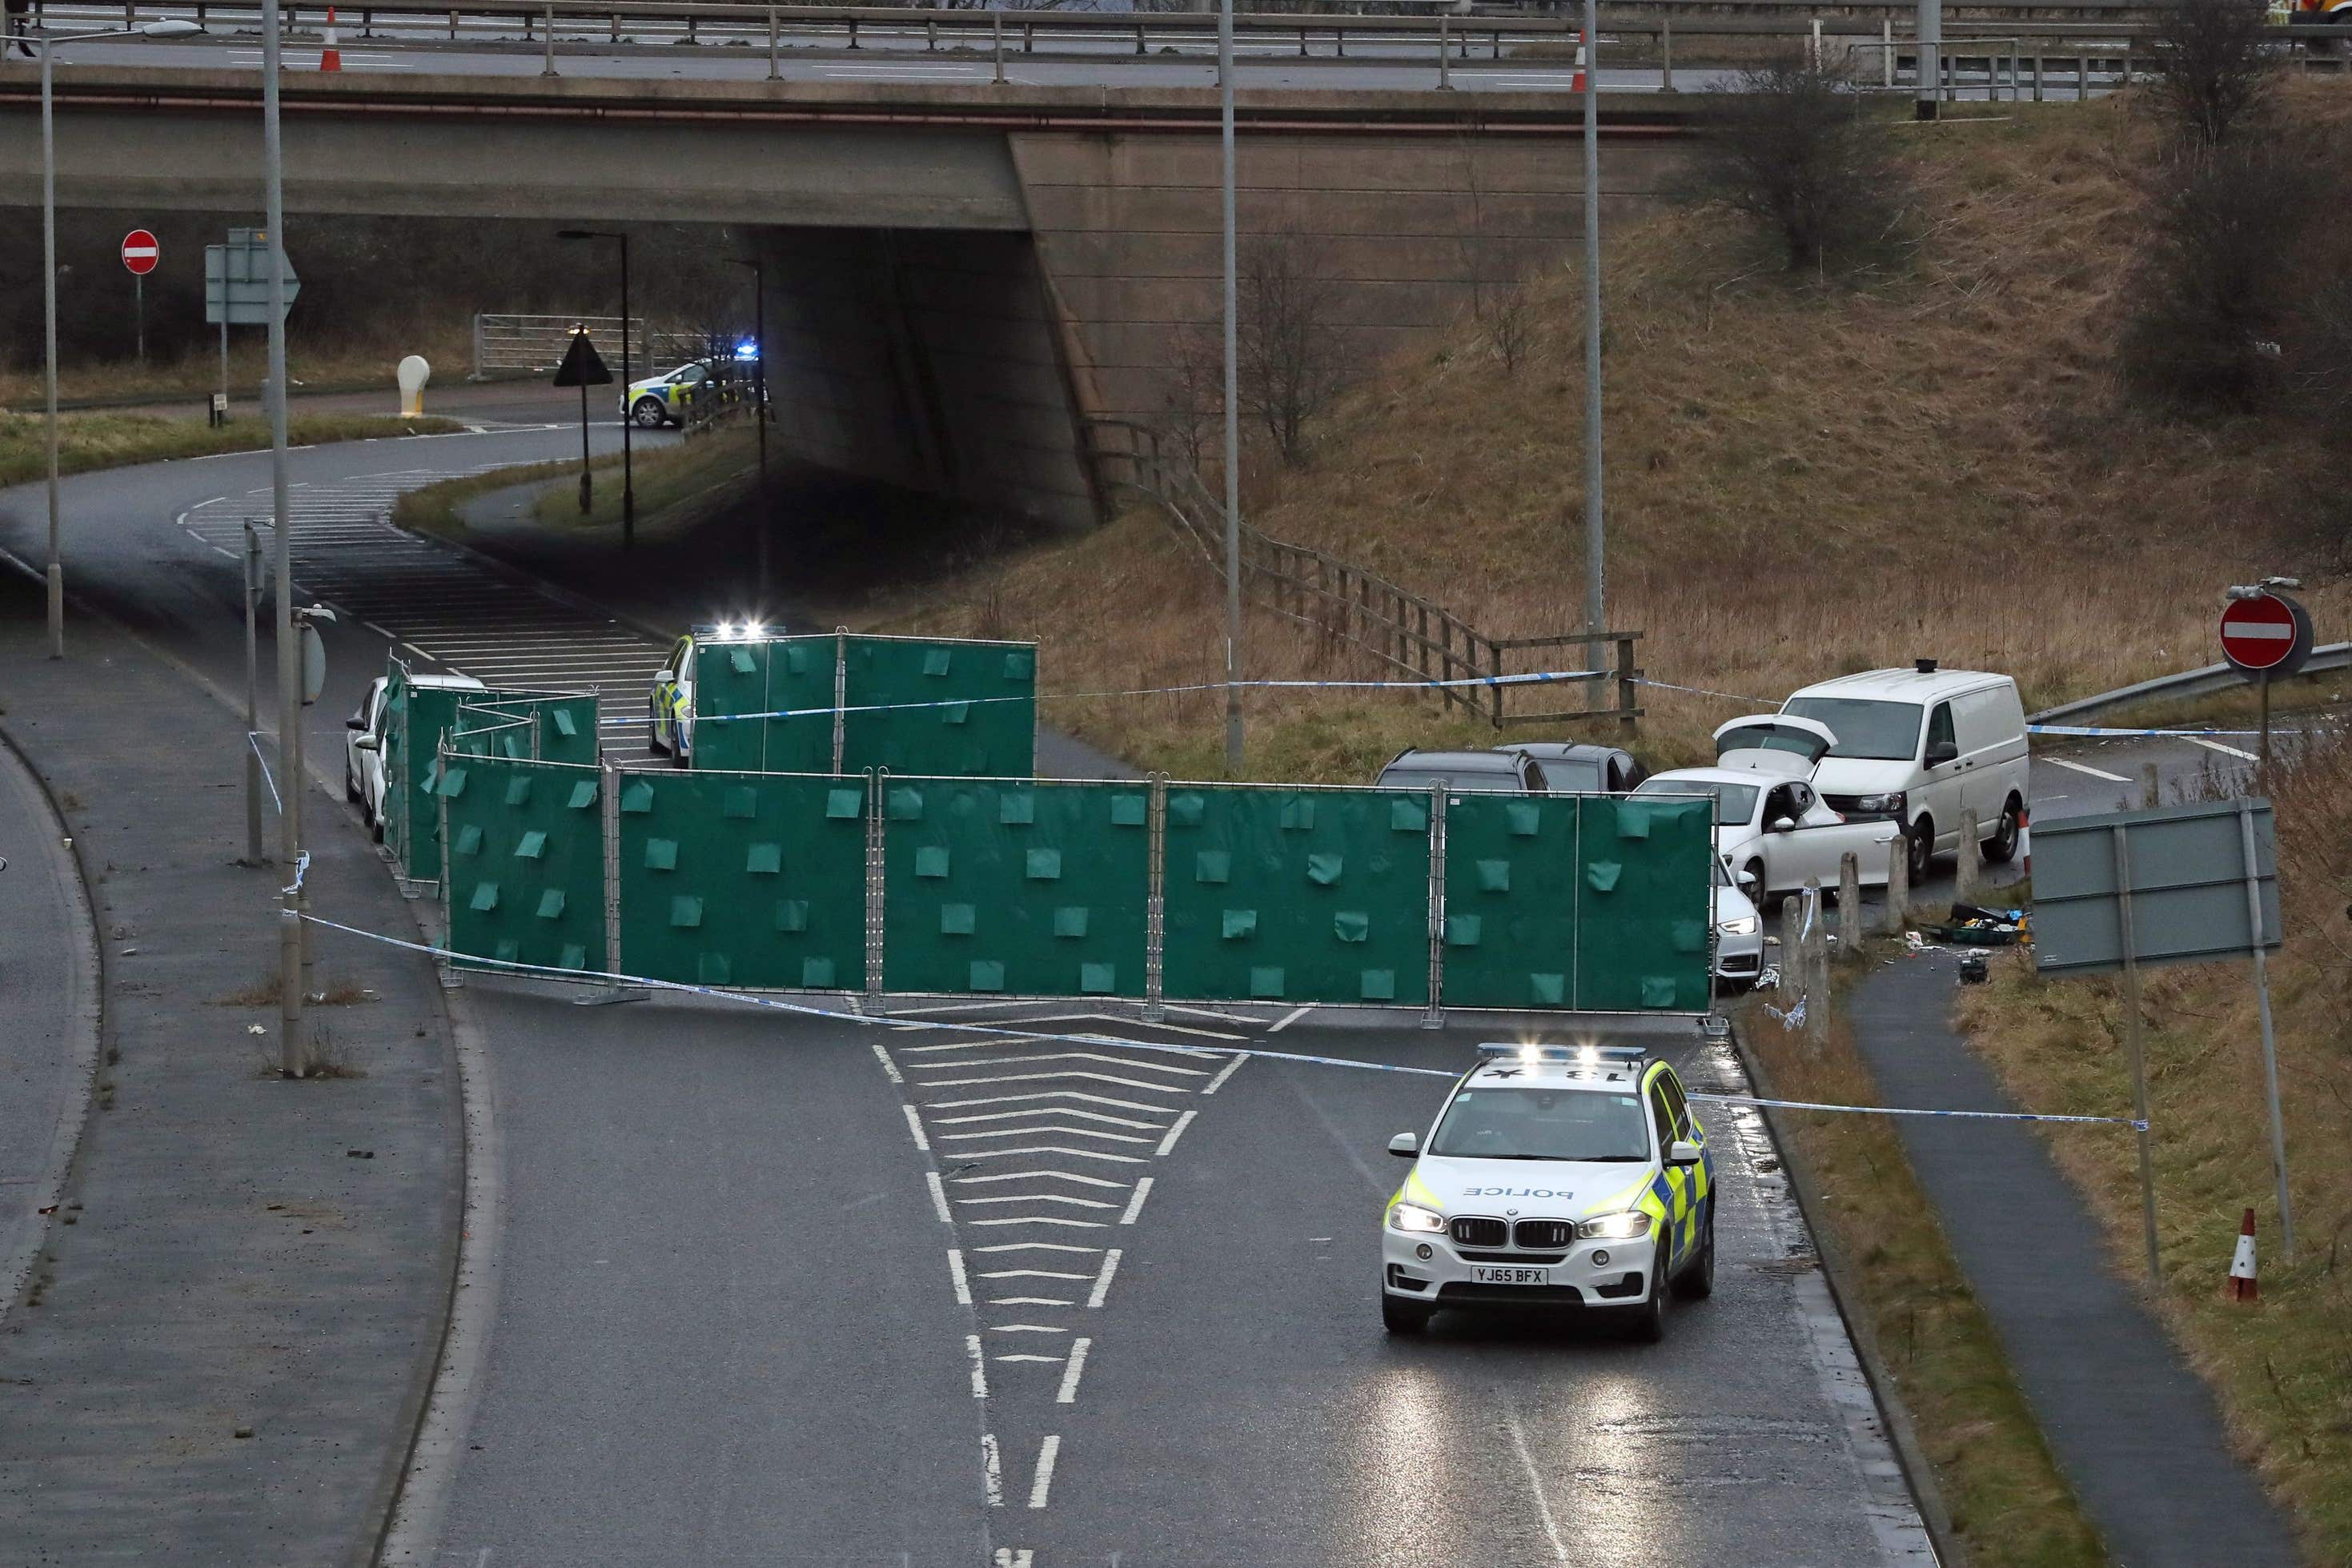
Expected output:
(425, 714)
(1016, 888)
(743, 879)
(939, 706)
(783, 674)
(1296, 895)
(526, 860)
(398, 794)
(1645, 897)
(1509, 918)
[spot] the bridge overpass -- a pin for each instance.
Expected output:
(957, 276)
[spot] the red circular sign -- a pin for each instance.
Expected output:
(139, 251)
(2258, 634)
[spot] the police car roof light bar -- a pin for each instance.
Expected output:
(1589, 1055)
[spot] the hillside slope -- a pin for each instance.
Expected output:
(1804, 479)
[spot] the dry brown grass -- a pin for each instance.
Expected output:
(2283, 1368)
(265, 992)
(1804, 480)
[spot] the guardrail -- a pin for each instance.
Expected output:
(1342, 601)
(2196, 682)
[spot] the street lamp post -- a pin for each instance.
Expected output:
(170, 29)
(1233, 406)
(760, 407)
(628, 414)
(1596, 603)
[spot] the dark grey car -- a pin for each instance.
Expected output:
(1464, 772)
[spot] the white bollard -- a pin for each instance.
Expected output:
(1898, 884)
(413, 373)
(1849, 932)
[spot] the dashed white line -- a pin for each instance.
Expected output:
(1047, 1451)
(1535, 1482)
(2225, 750)
(883, 1057)
(979, 1366)
(1284, 1021)
(1068, 1393)
(1175, 1133)
(1135, 1203)
(991, 1471)
(915, 1125)
(1102, 1281)
(1224, 1073)
(955, 1271)
(2087, 768)
(1007, 1557)
(938, 1198)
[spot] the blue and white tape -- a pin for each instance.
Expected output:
(253, 738)
(884, 1021)
(2095, 732)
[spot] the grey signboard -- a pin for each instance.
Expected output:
(2179, 873)
(236, 280)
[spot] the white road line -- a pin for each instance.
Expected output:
(1218, 1083)
(1040, 1197)
(960, 1066)
(883, 1057)
(1028, 1301)
(1006, 1557)
(1068, 1393)
(1102, 1281)
(1060, 1072)
(1037, 1247)
(955, 1272)
(1115, 1019)
(992, 1472)
(1041, 1175)
(938, 1198)
(1135, 1203)
(1047, 1095)
(979, 1366)
(2216, 746)
(1024, 1355)
(915, 1125)
(1286, 1020)
(1175, 1133)
(1026, 1328)
(1051, 1149)
(1040, 1131)
(1535, 1482)
(1047, 1452)
(1029, 1274)
(1043, 1219)
(2087, 768)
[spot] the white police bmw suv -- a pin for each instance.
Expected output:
(1571, 1177)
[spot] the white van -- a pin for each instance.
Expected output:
(1919, 746)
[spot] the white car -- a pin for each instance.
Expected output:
(363, 743)
(1771, 829)
(1738, 932)
(1917, 747)
(1561, 1176)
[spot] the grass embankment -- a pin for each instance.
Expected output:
(691, 477)
(89, 441)
(2283, 1368)
(1804, 480)
(2008, 1501)
(311, 367)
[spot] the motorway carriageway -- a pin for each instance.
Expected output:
(766, 1287)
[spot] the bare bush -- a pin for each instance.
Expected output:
(1502, 303)
(1292, 361)
(1194, 401)
(2214, 71)
(1795, 148)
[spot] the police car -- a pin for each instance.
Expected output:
(662, 400)
(670, 708)
(1569, 1176)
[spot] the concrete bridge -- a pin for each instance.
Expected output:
(958, 276)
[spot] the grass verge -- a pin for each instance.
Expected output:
(2282, 1369)
(195, 376)
(90, 440)
(703, 472)
(2007, 1500)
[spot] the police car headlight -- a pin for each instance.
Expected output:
(1628, 1227)
(1412, 1216)
(1744, 925)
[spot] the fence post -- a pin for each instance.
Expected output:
(877, 783)
(1886, 52)
(478, 348)
(1435, 1017)
(1816, 944)
(548, 68)
(1444, 48)
(1665, 50)
(2081, 77)
(613, 26)
(1813, 44)
(1155, 900)
(772, 42)
(1626, 677)
(1495, 655)
(2151, 786)
(608, 813)
(853, 32)
(1849, 932)
(2037, 78)
(450, 979)
(1968, 872)
(840, 693)
(1792, 963)
(1899, 885)
(997, 33)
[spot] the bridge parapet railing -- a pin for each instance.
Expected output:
(1342, 603)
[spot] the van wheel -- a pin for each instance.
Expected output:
(1923, 849)
(2002, 848)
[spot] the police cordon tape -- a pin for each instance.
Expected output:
(907, 1024)
(253, 738)
(2095, 732)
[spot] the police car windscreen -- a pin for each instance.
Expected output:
(1532, 1123)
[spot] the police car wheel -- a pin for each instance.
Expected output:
(1698, 1280)
(1403, 1317)
(650, 413)
(1648, 1321)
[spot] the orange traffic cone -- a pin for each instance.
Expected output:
(331, 58)
(1576, 83)
(2242, 1266)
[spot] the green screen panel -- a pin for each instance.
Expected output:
(800, 679)
(954, 721)
(1646, 901)
(779, 674)
(428, 713)
(1296, 895)
(1020, 888)
(748, 880)
(729, 678)
(526, 861)
(1510, 906)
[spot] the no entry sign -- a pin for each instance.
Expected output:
(2269, 635)
(140, 252)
